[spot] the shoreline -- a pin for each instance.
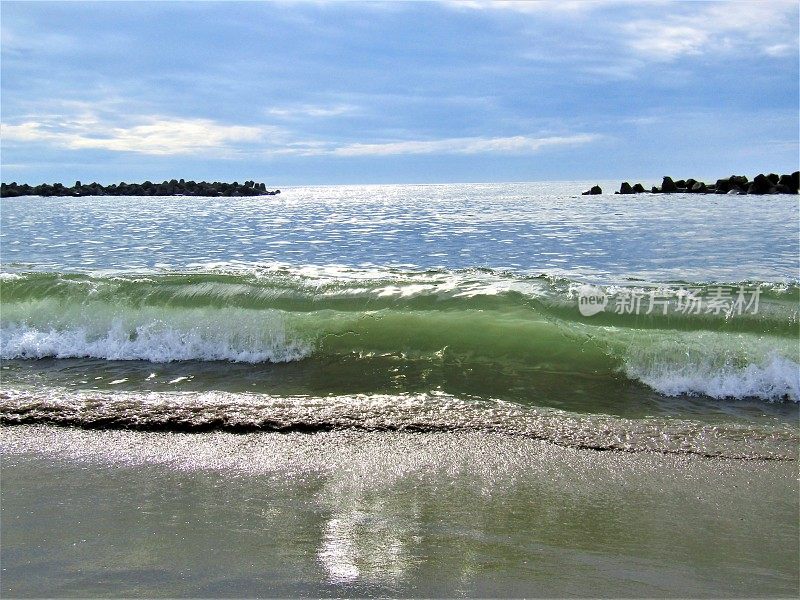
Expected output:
(410, 514)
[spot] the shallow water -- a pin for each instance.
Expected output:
(453, 421)
(470, 291)
(400, 514)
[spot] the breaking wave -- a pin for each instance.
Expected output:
(475, 317)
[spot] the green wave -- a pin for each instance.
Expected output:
(477, 317)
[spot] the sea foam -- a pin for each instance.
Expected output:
(155, 342)
(775, 378)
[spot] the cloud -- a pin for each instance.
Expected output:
(311, 110)
(765, 27)
(169, 136)
(467, 145)
(779, 50)
(535, 6)
(666, 42)
(154, 135)
(666, 31)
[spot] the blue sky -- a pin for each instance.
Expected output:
(298, 93)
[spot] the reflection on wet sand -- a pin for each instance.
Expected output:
(353, 514)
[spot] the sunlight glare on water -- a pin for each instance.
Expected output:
(526, 228)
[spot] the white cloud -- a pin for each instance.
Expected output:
(764, 27)
(665, 31)
(468, 145)
(528, 6)
(154, 135)
(311, 110)
(779, 50)
(661, 41)
(166, 136)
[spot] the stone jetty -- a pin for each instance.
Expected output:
(174, 187)
(735, 184)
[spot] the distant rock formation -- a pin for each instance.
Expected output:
(625, 188)
(668, 186)
(735, 184)
(595, 190)
(173, 187)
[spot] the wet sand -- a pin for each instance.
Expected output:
(118, 513)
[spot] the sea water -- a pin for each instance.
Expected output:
(448, 311)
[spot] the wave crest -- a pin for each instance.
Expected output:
(775, 378)
(190, 336)
(486, 320)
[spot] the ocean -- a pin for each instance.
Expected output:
(464, 389)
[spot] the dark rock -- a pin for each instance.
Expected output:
(625, 188)
(9, 190)
(760, 185)
(735, 184)
(668, 186)
(593, 191)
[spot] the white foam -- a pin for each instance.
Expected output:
(154, 341)
(775, 378)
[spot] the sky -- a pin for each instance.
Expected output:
(305, 93)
